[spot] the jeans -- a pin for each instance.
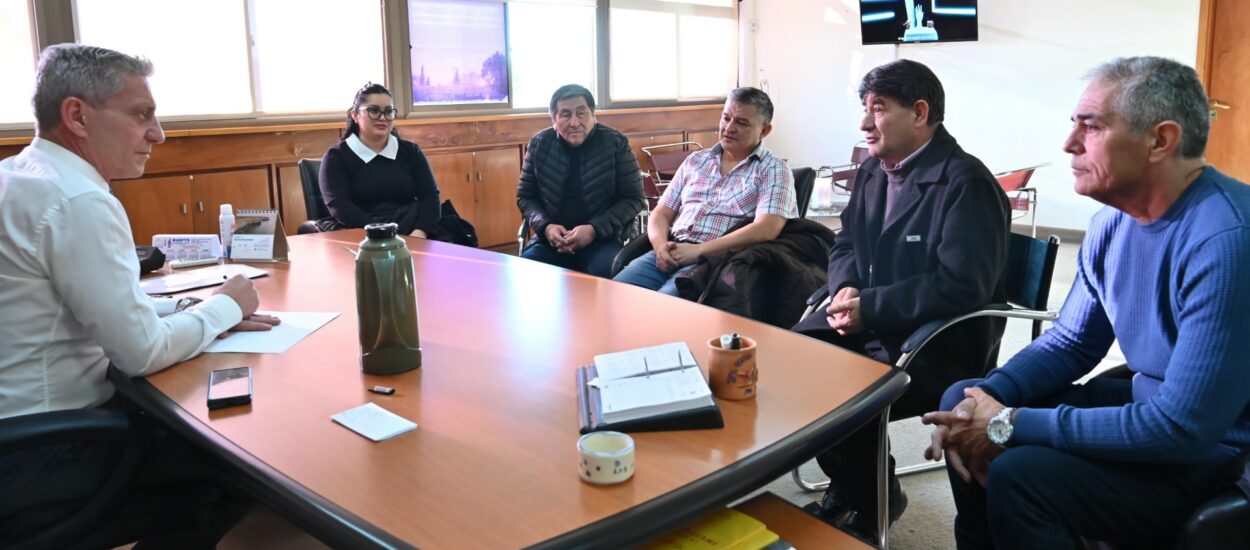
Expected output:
(1041, 497)
(595, 259)
(644, 273)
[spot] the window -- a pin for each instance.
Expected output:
(17, 63)
(296, 74)
(459, 52)
(201, 62)
(204, 65)
(550, 45)
(672, 49)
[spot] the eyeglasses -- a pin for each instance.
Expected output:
(376, 113)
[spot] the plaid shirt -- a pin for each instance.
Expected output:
(708, 205)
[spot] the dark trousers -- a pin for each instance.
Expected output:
(179, 497)
(852, 463)
(1041, 497)
(595, 259)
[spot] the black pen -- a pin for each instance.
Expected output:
(735, 341)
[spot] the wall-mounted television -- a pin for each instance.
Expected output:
(916, 21)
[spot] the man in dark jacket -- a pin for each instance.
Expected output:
(580, 187)
(923, 238)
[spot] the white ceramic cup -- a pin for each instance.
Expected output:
(606, 457)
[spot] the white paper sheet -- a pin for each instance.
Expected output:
(295, 326)
(374, 422)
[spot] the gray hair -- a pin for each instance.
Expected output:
(747, 95)
(86, 72)
(1150, 90)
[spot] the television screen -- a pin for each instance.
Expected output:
(910, 21)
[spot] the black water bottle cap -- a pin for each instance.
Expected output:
(381, 230)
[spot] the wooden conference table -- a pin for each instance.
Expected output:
(493, 463)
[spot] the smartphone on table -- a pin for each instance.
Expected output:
(229, 387)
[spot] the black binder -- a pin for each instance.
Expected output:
(590, 413)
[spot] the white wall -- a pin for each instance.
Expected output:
(1008, 96)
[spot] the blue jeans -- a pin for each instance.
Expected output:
(644, 273)
(1041, 497)
(595, 259)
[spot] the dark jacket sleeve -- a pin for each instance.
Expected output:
(843, 268)
(971, 255)
(609, 222)
(527, 197)
(336, 189)
(425, 216)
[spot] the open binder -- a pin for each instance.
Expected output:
(636, 391)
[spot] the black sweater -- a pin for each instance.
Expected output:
(401, 191)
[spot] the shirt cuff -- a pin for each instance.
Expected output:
(1032, 427)
(1002, 388)
(218, 313)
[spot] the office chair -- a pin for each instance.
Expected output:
(1027, 276)
(1221, 522)
(314, 204)
(804, 183)
(639, 246)
(1021, 197)
(666, 159)
(67, 512)
(842, 176)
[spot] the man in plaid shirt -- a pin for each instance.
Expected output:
(729, 196)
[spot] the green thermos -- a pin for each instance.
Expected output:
(386, 303)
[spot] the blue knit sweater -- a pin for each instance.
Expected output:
(1176, 293)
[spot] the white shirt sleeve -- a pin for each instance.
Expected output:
(88, 245)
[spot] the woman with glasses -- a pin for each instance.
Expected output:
(373, 176)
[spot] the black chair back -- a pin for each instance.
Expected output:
(804, 182)
(66, 514)
(1030, 265)
(309, 174)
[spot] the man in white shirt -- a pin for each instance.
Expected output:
(68, 273)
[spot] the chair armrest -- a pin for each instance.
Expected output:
(921, 336)
(634, 248)
(39, 429)
(819, 296)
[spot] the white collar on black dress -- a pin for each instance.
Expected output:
(366, 154)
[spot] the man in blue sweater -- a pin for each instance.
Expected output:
(1036, 461)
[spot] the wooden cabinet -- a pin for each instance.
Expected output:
(482, 186)
(189, 203)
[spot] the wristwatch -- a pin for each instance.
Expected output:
(185, 303)
(999, 429)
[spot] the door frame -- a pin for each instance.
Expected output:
(1206, 16)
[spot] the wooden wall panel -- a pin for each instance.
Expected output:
(706, 139)
(290, 194)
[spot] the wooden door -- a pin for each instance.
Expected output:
(453, 173)
(1224, 53)
(291, 198)
(155, 205)
(496, 172)
(238, 188)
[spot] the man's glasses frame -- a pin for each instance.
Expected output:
(377, 113)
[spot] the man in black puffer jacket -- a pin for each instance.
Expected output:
(580, 187)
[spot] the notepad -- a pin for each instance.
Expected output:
(652, 388)
(198, 278)
(374, 422)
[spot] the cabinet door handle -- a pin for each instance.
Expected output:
(468, 177)
(184, 208)
(199, 205)
(479, 176)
